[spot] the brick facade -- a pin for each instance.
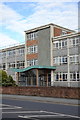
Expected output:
(31, 42)
(59, 92)
(57, 31)
(32, 56)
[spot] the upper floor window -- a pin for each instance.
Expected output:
(74, 41)
(60, 44)
(74, 59)
(32, 62)
(32, 35)
(63, 59)
(11, 52)
(32, 49)
(63, 43)
(21, 51)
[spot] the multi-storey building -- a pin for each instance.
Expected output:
(12, 57)
(66, 58)
(46, 62)
(38, 44)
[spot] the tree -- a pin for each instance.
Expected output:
(6, 80)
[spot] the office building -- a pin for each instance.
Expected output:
(47, 56)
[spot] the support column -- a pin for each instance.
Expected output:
(47, 79)
(37, 77)
(17, 78)
(31, 81)
(52, 77)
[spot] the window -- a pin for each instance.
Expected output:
(74, 41)
(77, 40)
(57, 45)
(60, 60)
(32, 62)
(20, 64)
(61, 77)
(4, 66)
(32, 36)
(11, 65)
(21, 51)
(75, 76)
(74, 59)
(32, 49)
(10, 52)
(3, 54)
(63, 44)
(78, 76)
(60, 44)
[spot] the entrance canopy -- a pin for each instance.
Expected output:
(34, 67)
(34, 75)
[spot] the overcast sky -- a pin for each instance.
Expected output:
(20, 15)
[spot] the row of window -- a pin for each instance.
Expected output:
(19, 64)
(32, 49)
(63, 43)
(12, 53)
(32, 62)
(74, 76)
(32, 36)
(63, 59)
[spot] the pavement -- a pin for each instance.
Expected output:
(43, 99)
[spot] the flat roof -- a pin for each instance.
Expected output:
(33, 67)
(12, 47)
(46, 26)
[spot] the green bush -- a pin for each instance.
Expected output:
(5, 79)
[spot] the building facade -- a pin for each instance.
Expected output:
(12, 57)
(46, 56)
(66, 58)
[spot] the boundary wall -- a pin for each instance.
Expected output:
(56, 92)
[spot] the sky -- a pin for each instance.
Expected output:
(16, 16)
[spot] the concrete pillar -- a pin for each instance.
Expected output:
(37, 77)
(31, 81)
(47, 79)
(17, 78)
(52, 77)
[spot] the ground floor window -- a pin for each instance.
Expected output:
(74, 76)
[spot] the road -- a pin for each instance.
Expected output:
(24, 109)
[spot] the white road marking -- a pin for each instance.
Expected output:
(24, 112)
(6, 106)
(63, 114)
(39, 116)
(57, 114)
(15, 107)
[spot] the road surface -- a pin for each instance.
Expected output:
(25, 109)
